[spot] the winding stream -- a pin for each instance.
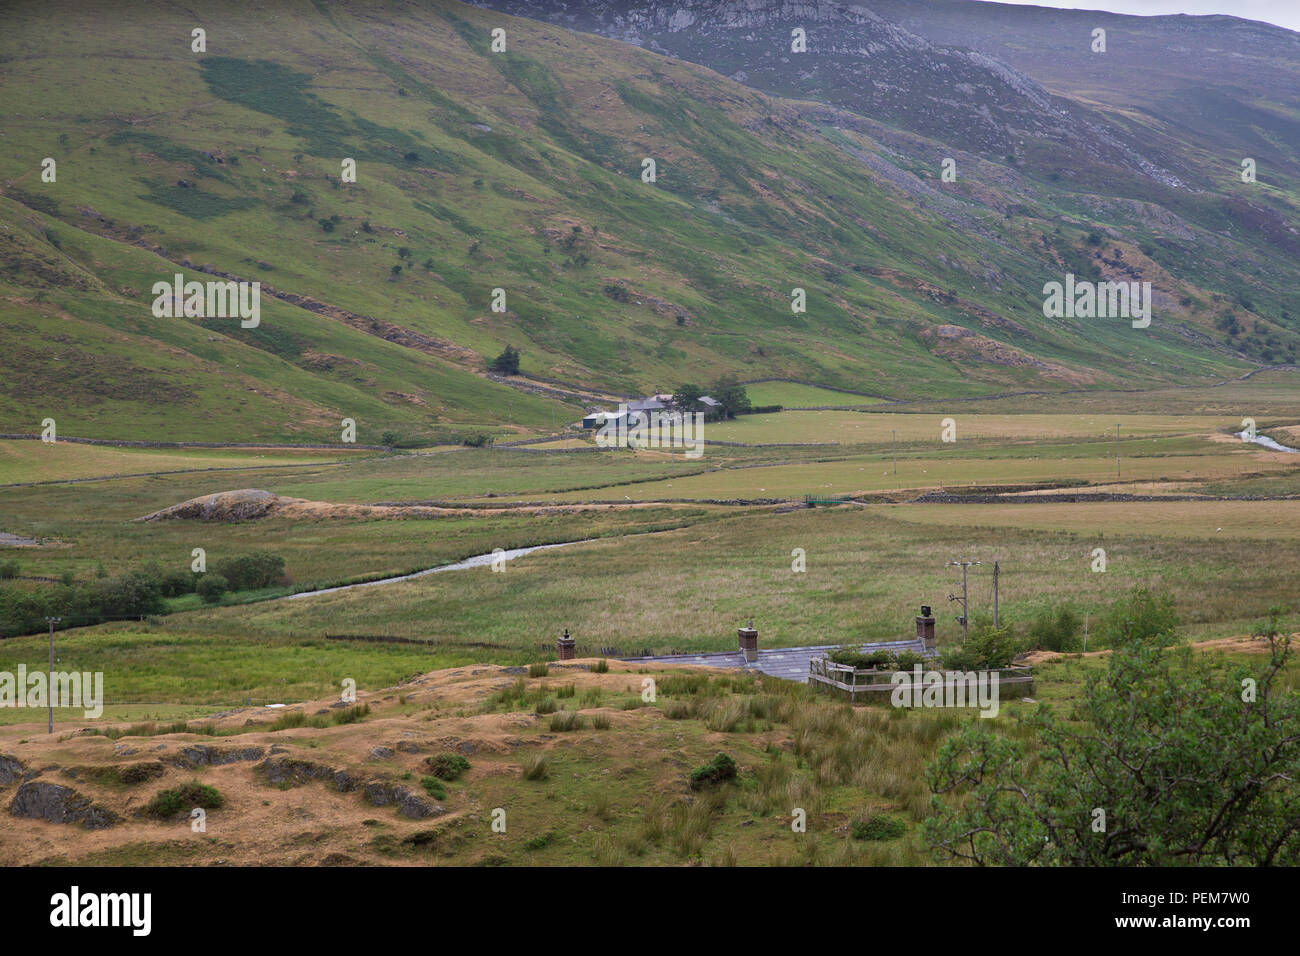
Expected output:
(477, 561)
(1267, 443)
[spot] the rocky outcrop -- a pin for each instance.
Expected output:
(382, 793)
(11, 770)
(291, 772)
(202, 756)
(58, 804)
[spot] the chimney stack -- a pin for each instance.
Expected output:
(748, 642)
(564, 646)
(925, 628)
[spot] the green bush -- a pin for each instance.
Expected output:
(718, 770)
(1056, 631)
(447, 766)
(186, 797)
(987, 648)
(251, 572)
(507, 363)
(907, 660)
(211, 587)
(1139, 616)
(434, 788)
(877, 826)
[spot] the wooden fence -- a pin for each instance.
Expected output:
(827, 675)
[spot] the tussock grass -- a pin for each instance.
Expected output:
(535, 766)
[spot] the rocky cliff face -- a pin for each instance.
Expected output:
(857, 60)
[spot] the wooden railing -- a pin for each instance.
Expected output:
(854, 680)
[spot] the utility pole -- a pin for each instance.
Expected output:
(49, 689)
(965, 612)
(995, 594)
(1117, 472)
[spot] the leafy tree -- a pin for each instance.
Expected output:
(1139, 616)
(1170, 758)
(132, 595)
(507, 363)
(211, 587)
(1056, 630)
(249, 572)
(731, 395)
(686, 398)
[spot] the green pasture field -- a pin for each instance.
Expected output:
(798, 395)
(34, 461)
(868, 569)
(873, 473)
(850, 427)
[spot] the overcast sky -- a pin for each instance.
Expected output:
(1285, 13)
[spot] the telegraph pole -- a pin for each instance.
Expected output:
(995, 594)
(965, 613)
(49, 690)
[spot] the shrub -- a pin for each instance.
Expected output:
(211, 587)
(1140, 616)
(168, 803)
(250, 572)
(134, 594)
(877, 826)
(507, 363)
(447, 766)
(718, 770)
(1057, 631)
(434, 788)
(907, 660)
(987, 648)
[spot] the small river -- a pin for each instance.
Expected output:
(477, 561)
(1267, 442)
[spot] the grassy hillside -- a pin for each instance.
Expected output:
(477, 171)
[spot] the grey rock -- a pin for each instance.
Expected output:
(11, 769)
(56, 804)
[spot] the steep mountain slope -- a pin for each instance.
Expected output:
(520, 171)
(1163, 117)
